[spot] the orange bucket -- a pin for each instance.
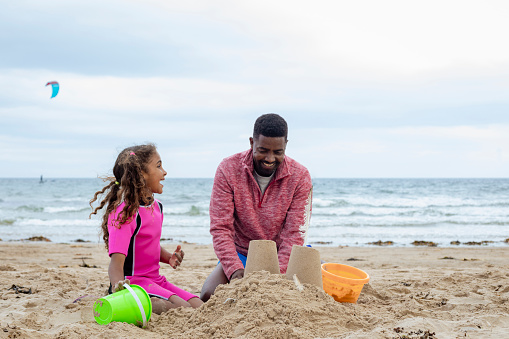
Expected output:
(344, 283)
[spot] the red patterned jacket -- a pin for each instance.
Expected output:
(239, 213)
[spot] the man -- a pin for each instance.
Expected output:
(257, 194)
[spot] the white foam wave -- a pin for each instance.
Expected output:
(63, 209)
(57, 222)
(317, 202)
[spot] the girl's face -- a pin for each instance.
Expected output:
(155, 174)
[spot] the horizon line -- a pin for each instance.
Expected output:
(46, 178)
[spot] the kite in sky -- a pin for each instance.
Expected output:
(55, 86)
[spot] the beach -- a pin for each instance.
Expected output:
(48, 290)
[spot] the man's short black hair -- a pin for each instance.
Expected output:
(270, 125)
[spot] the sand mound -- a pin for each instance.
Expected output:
(261, 305)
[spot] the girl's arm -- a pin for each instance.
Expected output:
(173, 259)
(116, 269)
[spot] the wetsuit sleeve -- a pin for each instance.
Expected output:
(297, 220)
(119, 238)
(221, 223)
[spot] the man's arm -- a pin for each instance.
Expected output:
(221, 224)
(297, 220)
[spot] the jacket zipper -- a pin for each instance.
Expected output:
(266, 188)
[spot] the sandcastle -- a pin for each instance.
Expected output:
(306, 265)
(262, 256)
(304, 261)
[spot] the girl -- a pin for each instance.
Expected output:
(131, 229)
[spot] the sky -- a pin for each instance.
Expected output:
(370, 89)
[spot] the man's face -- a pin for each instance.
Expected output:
(268, 154)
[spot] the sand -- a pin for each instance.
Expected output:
(47, 290)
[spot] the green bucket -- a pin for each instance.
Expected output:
(131, 305)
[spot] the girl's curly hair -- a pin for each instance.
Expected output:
(127, 185)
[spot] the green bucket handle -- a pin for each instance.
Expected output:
(140, 306)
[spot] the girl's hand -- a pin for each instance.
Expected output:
(176, 257)
(119, 286)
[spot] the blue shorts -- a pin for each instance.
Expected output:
(242, 258)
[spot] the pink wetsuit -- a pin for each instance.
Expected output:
(139, 240)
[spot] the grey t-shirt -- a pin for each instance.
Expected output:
(263, 182)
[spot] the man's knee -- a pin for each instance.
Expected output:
(216, 278)
(205, 295)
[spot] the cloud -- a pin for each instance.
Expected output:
(426, 151)
(368, 88)
(368, 39)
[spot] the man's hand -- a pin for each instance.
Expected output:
(238, 274)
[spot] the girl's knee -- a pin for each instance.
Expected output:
(178, 301)
(195, 302)
(160, 305)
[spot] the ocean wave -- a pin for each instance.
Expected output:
(374, 224)
(426, 212)
(73, 199)
(30, 208)
(402, 224)
(387, 191)
(479, 204)
(317, 203)
(364, 204)
(65, 209)
(478, 223)
(193, 211)
(410, 210)
(7, 222)
(190, 197)
(376, 213)
(58, 222)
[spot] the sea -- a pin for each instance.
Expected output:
(345, 212)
